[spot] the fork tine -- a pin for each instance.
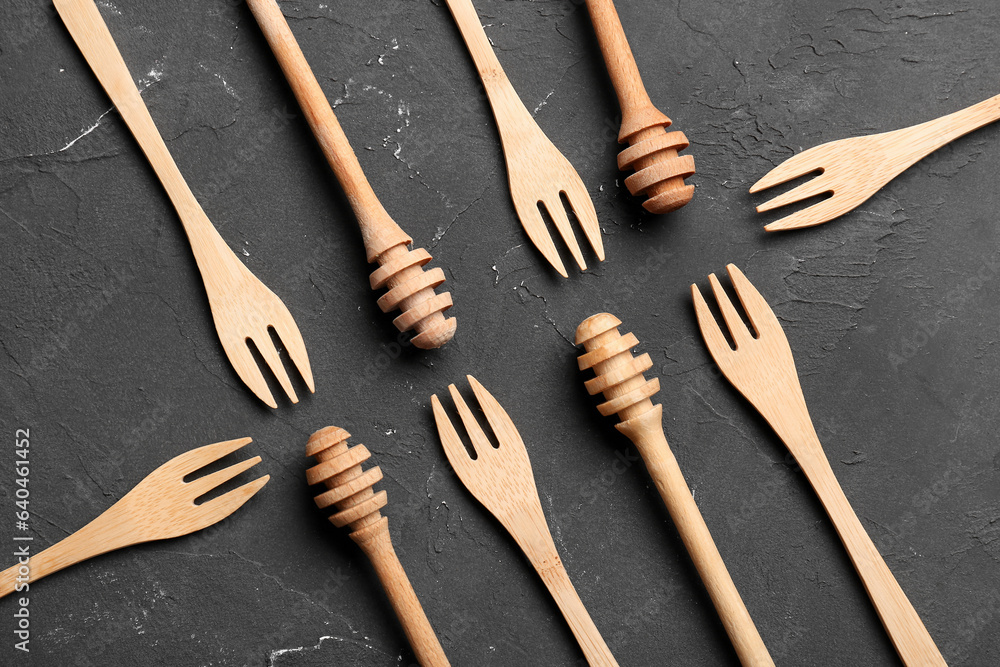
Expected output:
(501, 423)
(817, 214)
(755, 306)
(203, 485)
(219, 508)
(290, 337)
(270, 355)
(737, 329)
(479, 441)
(794, 167)
(583, 206)
(246, 368)
(811, 188)
(197, 458)
(714, 340)
(458, 455)
(534, 226)
(557, 212)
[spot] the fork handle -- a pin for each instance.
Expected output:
(646, 432)
(926, 138)
(91, 34)
(503, 98)
(379, 230)
(912, 641)
(107, 532)
(595, 650)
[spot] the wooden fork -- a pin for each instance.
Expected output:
(856, 168)
(539, 175)
(244, 308)
(159, 507)
(501, 479)
(763, 370)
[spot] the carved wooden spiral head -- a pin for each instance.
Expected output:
(619, 375)
(659, 170)
(349, 487)
(411, 290)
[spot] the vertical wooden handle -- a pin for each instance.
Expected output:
(912, 641)
(379, 230)
(595, 650)
(646, 432)
(506, 105)
(90, 32)
(632, 95)
(378, 547)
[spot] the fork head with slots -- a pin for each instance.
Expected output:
(850, 170)
(760, 365)
(499, 477)
(163, 505)
(245, 311)
(542, 178)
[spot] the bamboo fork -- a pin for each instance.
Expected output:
(244, 309)
(619, 376)
(652, 152)
(539, 175)
(762, 368)
(159, 507)
(856, 168)
(411, 289)
(349, 490)
(501, 479)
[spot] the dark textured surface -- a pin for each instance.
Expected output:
(109, 355)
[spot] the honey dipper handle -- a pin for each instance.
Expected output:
(646, 431)
(379, 230)
(637, 109)
(378, 547)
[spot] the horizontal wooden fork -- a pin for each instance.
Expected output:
(762, 368)
(854, 169)
(159, 507)
(501, 479)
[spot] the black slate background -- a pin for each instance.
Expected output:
(110, 356)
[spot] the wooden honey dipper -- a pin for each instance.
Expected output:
(652, 152)
(411, 289)
(619, 376)
(349, 490)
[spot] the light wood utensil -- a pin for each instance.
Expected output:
(539, 175)
(854, 169)
(159, 507)
(410, 288)
(349, 490)
(501, 479)
(244, 309)
(619, 376)
(763, 370)
(652, 152)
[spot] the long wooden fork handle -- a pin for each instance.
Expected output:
(379, 230)
(646, 432)
(378, 547)
(100, 536)
(503, 98)
(932, 135)
(595, 650)
(91, 34)
(912, 641)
